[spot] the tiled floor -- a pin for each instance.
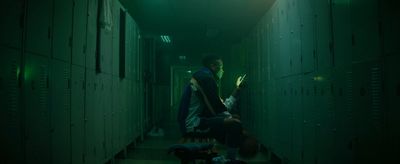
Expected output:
(153, 150)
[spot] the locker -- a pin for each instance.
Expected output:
(392, 96)
(309, 137)
(323, 34)
(91, 34)
(39, 26)
(98, 117)
(116, 113)
(10, 108)
(365, 27)
(116, 7)
(60, 110)
(77, 113)
(368, 103)
(106, 51)
(324, 125)
(79, 45)
(390, 26)
(11, 29)
(307, 35)
(342, 33)
(62, 30)
(344, 119)
(108, 106)
(37, 114)
(297, 119)
(294, 35)
(285, 58)
(90, 113)
(130, 46)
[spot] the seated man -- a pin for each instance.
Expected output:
(208, 114)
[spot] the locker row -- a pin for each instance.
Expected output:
(323, 83)
(68, 94)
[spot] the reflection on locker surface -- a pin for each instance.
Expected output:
(88, 81)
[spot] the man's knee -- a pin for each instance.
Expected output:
(234, 126)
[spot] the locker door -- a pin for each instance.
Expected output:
(116, 113)
(285, 58)
(390, 27)
(62, 29)
(294, 35)
(108, 100)
(323, 34)
(79, 32)
(392, 97)
(98, 118)
(11, 27)
(91, 34)
(37, 114)
(307, 35)
(39, 26)
(308, 154)
(297, 121)
(116, 38)
(10, 109)
(342, 33)
(344, 119)
(60, 111)
(368, 112)
(77, 113)
(90, 112)
(325, 116)
(365, 27)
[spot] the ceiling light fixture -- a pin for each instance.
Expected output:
(165, 39)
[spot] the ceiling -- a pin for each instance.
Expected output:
(195, 25)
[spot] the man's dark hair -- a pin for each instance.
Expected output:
(210, 59)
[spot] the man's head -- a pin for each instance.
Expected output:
(215, 64)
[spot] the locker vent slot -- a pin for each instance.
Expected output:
(376, 96)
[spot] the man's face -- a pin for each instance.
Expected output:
(219, 65)
(217, 69)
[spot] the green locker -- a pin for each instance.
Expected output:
(60, 109)
(323, 36)
(98, 117)
(307, 35)
(91, 34)
(116, 113)
(324, 117)
(62, 30)
(294, 36)
(342, 33)
(285, 58)
(365, 28)
(80, 20)
(39, 26)
(392, 104)
(368, 105)
(106, 51)
(297, 119)
(344, 118)
(12, 23)
(10, 106)
(390, 15)
(37, 114)
(77, 114)
(90, 112)
(108, 106)
(116, 7)
(309, 120)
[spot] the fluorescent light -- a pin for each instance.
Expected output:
(165, 38)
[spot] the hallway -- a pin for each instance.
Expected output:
(85, 81)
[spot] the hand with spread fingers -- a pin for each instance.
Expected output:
(239, 81)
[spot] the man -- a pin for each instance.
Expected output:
(208, 114)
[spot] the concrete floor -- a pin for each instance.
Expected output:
(153, 150)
